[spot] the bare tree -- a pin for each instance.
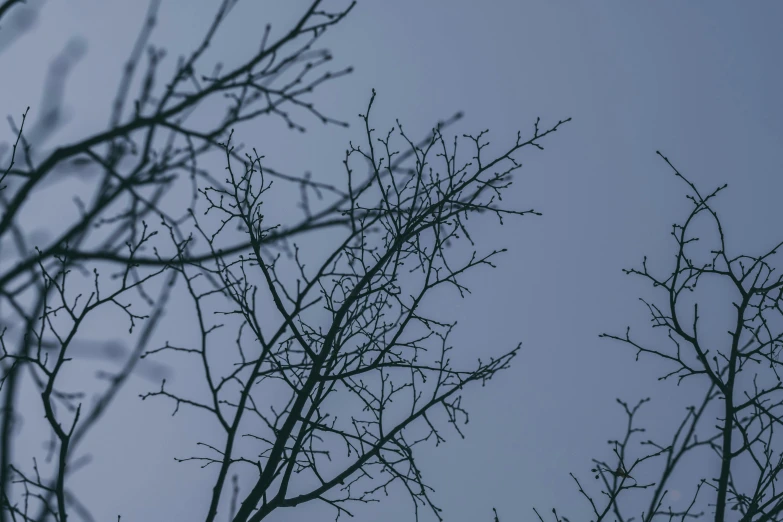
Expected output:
(336, 373)
(732, 428)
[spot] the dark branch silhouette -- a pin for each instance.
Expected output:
(733, 428)
(377, 349)
(340, 365)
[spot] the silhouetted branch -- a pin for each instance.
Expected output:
(742, 442)
(337, 352)
(376, 348)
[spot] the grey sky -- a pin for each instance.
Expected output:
(700, 81)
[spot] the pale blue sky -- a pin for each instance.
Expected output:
(701, 81)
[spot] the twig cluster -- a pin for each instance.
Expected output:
(338, 371)
(385, 360)
(737, 419)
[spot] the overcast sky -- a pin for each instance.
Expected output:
(699, 81)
